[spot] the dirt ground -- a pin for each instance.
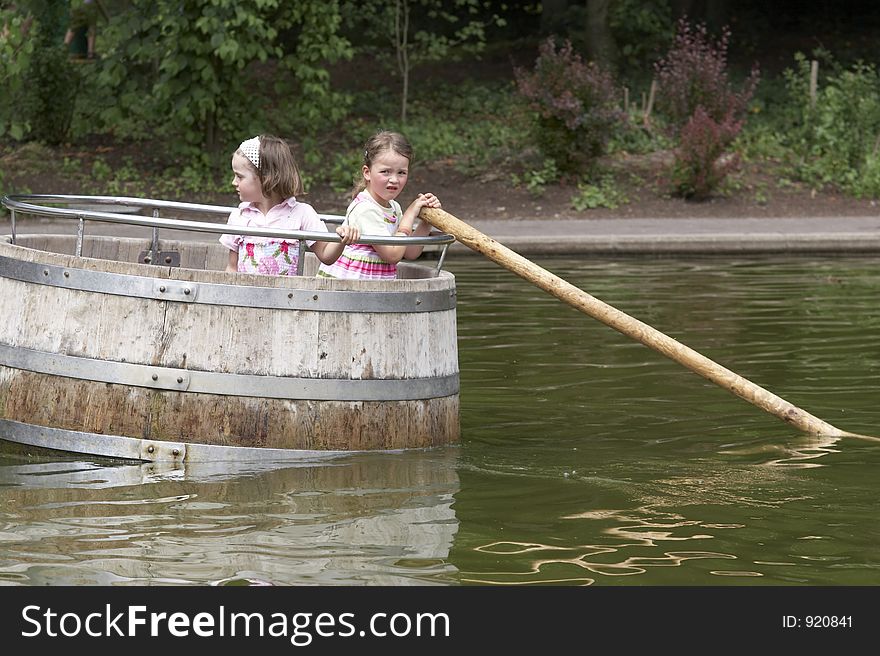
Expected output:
(755, 191)
(751, 193)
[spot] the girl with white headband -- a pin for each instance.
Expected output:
(265, 175)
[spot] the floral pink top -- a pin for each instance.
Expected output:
(271, 256)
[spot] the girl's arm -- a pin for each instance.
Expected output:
(395, 254)
(329, 251)
(424, 228)
(232, 262)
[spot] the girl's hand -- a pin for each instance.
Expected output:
(348, 234)
(428, 200)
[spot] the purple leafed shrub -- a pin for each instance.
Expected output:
(575, 105)
(705, 113)
(700, 161)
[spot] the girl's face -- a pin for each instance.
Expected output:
(387, 176)
(246, 180)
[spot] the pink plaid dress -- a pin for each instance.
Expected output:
(360, 261)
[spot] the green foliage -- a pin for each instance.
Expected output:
(603, 193)
(188, 70)
(39, 83)
(318, 43)
(411, 33)
(50, 98)
(16, 49)
(101, 171)
(536, 180)
(633, 137)
(835, 139)
(469, 124)
(643, 29)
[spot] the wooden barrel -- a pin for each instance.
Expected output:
(103, 354)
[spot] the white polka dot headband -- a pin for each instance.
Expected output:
(251, 150)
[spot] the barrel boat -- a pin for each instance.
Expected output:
(142, 348)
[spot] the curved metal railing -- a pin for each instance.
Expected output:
(33, 205)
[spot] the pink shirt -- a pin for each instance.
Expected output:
(287, 215)
(271, 255)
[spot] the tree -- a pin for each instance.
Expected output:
(185, 65)
(419, 31)
(601, 45)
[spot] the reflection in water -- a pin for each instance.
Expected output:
(586, 458)
(590, 459)
(373, 519)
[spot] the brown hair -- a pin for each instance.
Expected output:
(278, 171)
(379, 143)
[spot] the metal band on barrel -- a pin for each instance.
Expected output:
(234, 295)
(133, 448)
(206, 382)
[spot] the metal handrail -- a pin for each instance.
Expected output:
(19, 203)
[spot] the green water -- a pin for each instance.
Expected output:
(586, 458)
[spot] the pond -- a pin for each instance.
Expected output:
(586, 458)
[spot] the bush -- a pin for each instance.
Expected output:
(705, 113)
(15, 51)
(835, 138)
(700, 161)
(575, 106)
(49, 97)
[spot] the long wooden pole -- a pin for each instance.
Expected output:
(631, 327)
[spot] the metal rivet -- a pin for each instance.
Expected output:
(418, 301)
(315, 297)
(45, 272)
(67, 274)
(150, 449)
(290, 295)
(162, 288)
(186, 291)
(167, 260)
(175, 452)
(180, 379)
(155, 376)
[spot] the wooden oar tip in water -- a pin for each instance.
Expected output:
(631, 327)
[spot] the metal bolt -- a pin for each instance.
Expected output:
(150, 449)
(418, 301)
(290, 295)
(175, 452)
(162, 288)
(186, 291)
(315, 297)
(45, 272)
(180, 379)
(67, 274)
(155, 376)
(167, 260)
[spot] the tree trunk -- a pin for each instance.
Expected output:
(600, 42)
(714, 13)
(682, 8)
(717, 14)
(401, 42)
(553, 16)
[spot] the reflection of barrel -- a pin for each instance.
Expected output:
(97, 349)
(366, 518)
